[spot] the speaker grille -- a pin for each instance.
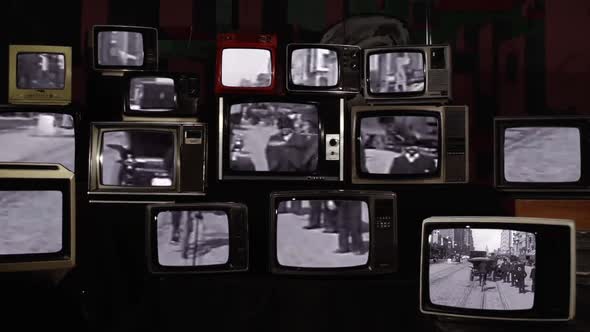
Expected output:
(438, 80)
(456, 170)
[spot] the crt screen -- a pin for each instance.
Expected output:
(487, 269)
(138, 158)
(246, 67)
(38, 138)
(40, 71)
(30, 222)
(274, 137)
(396, 72)
(314, 67)
(192, 238)
(322, 233)
(152, 94)
(542, 154)
(120, 48)
(400, 145)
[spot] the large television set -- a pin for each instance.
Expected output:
(38, 134)
(246, 63)
(119, 48)
(38, 217)
(410, 144)
(323, 69)
(160, 95)
(197, 238)
(281, 138)
(486, 268)
(147, 158)
(404, 74)
(542, 153)
(40, 75)
(333, 232)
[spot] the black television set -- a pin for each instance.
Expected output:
(39, 134)
(323, 68)
(38, 217)
(332, 232)
(405, 74)
(119, 48)
(197, 238)
(541, 153)
(147, 158)
(281, 138)
(150, 95)
(486, 268)
(410, 144)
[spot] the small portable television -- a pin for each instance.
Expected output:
(197, 238)
(246, 63)
(118, 48)
(404, 74)
(147, 158)
(151, 95)
(38, 217)
(281, 138)
(333, 232)
(40, 75)
(39, 134)
(498, 268)
(411, 144)
(542, 153)
(323, 68)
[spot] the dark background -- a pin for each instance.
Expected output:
(512, 57)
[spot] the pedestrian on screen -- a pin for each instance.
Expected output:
(349, 227)
(533, 278)
(520, 275)
(505, 270)
(315, 214)
(483, 272)
(287, 150)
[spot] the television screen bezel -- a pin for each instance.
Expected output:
(364, 196)
(225, 173)
(392, 177)
(47, 96)
(336, 89)
(238, 242)
(538, 226)
(265, 42)
(156, 115)
(582, 123)
(146, 32)
(43, 177)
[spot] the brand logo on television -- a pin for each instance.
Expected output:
(39, 94)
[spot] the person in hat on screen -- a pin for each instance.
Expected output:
(287, 150)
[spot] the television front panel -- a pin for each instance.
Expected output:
(281, 139)
(38, 217)
(410, 144)
(147, 158)
(333, 232)
(323, 69)
(40, 75)
(542, 153)
(117, 48)
(505, 268)
(246, 63)
(405, 74)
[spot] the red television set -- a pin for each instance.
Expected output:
(246, 63)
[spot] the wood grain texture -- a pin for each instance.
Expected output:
(578, 210)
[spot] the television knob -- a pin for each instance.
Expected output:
(333, 142)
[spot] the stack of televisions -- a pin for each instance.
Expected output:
(405, 133)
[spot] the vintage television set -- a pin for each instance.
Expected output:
(38, 217)
(404, 74)
(197, 238)
(118, 48)
(151, 95)
(410, 144)
(147, 158)
(39, 134)
(305, 238)
(246, 63)
(39, 74)
(541, 153)
(323, 68)
(500, 268)
(281, 138)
